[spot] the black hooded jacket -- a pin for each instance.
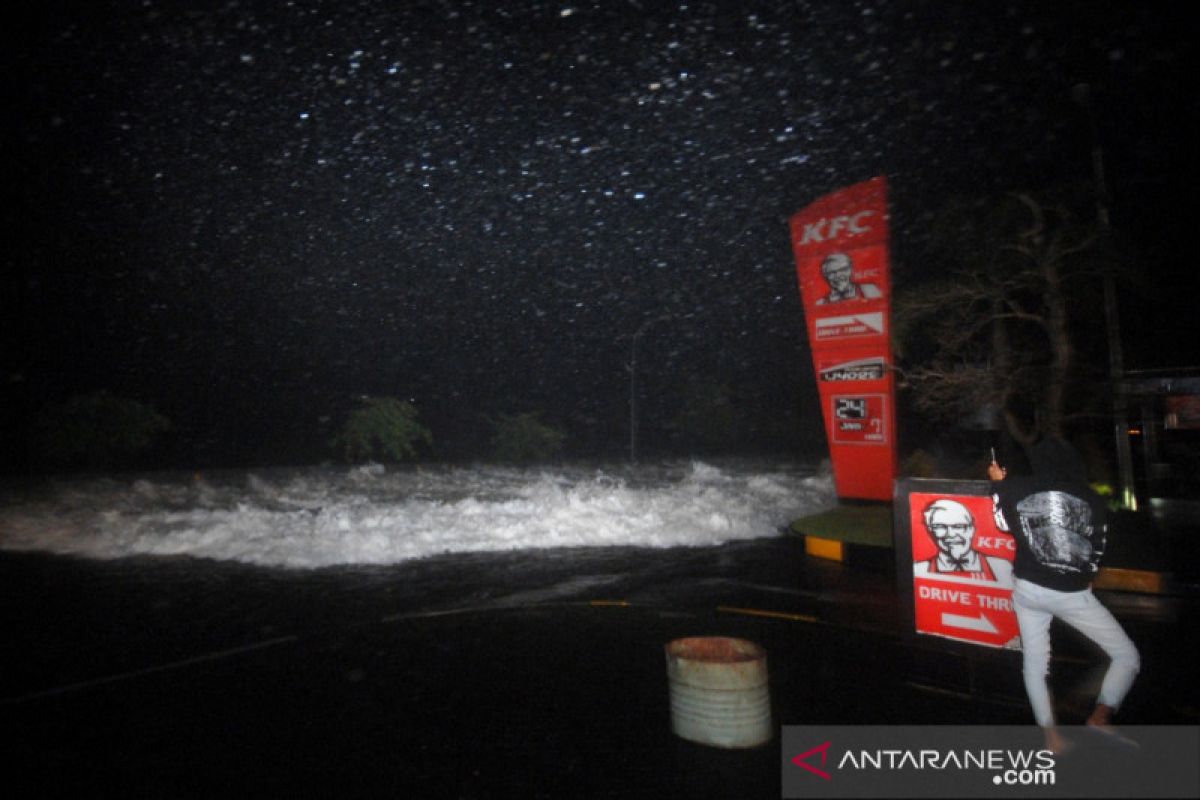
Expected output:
(1058, 521)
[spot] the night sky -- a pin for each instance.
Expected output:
(248, 214)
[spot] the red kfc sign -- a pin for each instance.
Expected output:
(841, 248)
(958, 567)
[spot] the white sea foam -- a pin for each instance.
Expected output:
(371, 515)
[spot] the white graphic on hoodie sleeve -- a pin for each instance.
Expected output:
(1058, 528)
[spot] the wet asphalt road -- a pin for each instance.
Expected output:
(537, 674)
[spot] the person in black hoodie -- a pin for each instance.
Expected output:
(1060, 528)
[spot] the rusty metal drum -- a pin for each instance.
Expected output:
(719, 693)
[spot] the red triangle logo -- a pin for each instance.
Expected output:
(801, 760)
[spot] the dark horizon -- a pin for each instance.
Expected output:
(249, 218)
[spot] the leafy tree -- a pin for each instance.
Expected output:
(96, 430)
(524, 438)
(383, 428)
(1000, 327)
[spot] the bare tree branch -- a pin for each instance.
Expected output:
(996, 329)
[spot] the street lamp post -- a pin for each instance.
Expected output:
(633, 409)
(1116, 367)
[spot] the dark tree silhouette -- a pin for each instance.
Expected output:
(1000, 325)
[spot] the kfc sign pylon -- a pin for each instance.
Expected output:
(841, 248)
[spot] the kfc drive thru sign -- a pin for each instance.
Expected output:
(953, 562)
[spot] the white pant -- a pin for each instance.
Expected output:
(1035, 606)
